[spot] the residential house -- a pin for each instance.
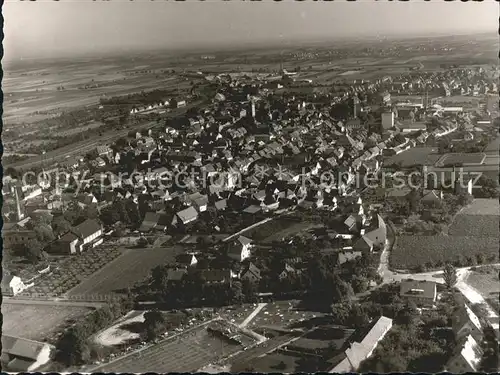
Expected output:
(432, 198)
(11, 285)
(186, 260)
(176, 275)
(221, 205)
(251, 273)
(240, 249)
(421, 292)
(200, 202)
(398, 195)
(104, 151)
(66, 244)
(373, 237)
(149, 222)
(185, 216)
(23, 355)
(359, 351)
(85, 235)
(14, 234)
(467, 359)
(347, 256)
(89, 232)
(216, 276)
(465, 323)
(288, 271)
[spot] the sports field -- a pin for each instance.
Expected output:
(187, 352)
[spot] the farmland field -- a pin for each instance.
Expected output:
(474, 225)
(186, 352)
(412, 251)
(133, 266)
(38, 321)
(480, 218)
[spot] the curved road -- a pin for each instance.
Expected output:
(472, 295)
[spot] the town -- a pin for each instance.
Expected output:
(263, 221)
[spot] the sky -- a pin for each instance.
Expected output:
(74, 27)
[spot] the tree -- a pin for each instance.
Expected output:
(359, 283)
(109, 216)
(464, 199)
(341, 312)
(12, 172)
(358, 317)
(449, 276)
(91, 212)
(154, 323)
(339, 290)
(74, 213)
(72, 347)
(31, 250)
(407, 314)
(44, 233)
(249, 290)
(60, 225)
(236, 293)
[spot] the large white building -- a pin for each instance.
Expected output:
(359, 351)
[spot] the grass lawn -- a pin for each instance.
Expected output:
(277, 229)
(38, 321)
(133, 266)
(412, 251)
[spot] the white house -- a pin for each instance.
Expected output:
(12, 285)
(241, 249)
(467, 323)
(467, 359)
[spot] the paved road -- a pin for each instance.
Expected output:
(51, 302)
(253, 314)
